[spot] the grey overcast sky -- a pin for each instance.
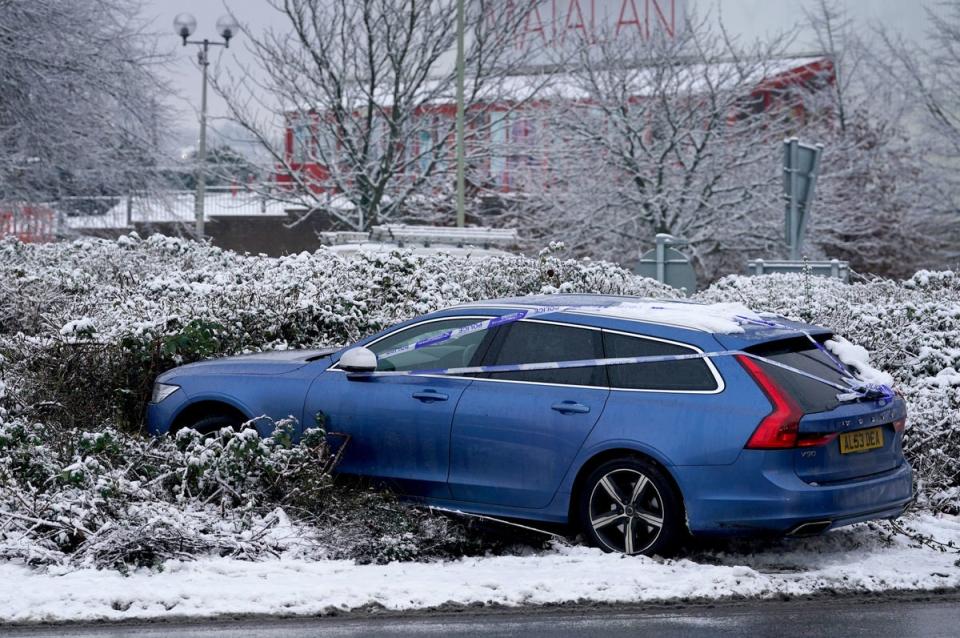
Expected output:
(748, 18)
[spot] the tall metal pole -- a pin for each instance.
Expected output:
(461, 214)
(202, 149)
(792, 156)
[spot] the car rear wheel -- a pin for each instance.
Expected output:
(629, 506)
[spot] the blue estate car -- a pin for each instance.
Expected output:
(635, 454)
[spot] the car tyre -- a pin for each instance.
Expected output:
(629, 506)
(213, 423)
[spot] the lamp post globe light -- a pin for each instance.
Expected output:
(184, 25)
(227, 27)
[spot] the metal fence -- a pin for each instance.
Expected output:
(167, 207)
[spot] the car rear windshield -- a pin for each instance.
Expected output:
(811, 395)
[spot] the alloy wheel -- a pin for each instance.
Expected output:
(626, 511)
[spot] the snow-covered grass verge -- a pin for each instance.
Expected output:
(855, 559)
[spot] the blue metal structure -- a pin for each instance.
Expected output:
(718, 445)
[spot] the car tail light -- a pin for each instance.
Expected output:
(779, 429)
(813, 440)
(901, 424)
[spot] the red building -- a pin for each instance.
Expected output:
(510, 134)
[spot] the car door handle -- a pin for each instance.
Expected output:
(430, 395)
(570, 407)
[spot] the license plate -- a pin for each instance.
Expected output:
(861, 440)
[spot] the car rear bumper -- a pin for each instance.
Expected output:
(761, 493)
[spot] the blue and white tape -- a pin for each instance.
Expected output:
(819, 346)
(486, 324)
(854, 389)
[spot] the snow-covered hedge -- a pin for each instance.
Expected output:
(86, 326)
(107, 498)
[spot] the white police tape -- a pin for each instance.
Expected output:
(855, 388)
(479, 326)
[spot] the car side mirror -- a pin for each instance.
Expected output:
(358, 360)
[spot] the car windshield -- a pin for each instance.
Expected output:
(454, 353)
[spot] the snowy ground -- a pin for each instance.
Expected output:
(852, 559)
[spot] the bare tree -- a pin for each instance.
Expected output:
(871, 208)
(935, 72)
(80, 106)
(667, 135)
(932, 77)
(367, 87)
(683, 136)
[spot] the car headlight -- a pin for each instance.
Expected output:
(161, 391)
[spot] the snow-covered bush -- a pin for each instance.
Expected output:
(108, 498)
(88, 325)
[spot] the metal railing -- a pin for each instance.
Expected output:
(833, 268)
(165, 207)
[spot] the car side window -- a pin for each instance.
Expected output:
(683, 375)
(455, 353)
(531, 342)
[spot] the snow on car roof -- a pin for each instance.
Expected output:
(716, 318)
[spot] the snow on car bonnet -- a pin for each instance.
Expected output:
(717, 318)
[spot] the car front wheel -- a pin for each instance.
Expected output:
(211, 424)
(629, 506)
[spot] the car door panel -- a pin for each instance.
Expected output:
(510, 447)
(515, 436)
(399, 425)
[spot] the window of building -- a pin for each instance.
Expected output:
(302, 138)
(424, 150)
(498, 144)
(326, 146)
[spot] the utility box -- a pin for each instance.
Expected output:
(668, 265)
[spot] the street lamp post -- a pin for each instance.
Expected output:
(461, 169)
(184, 25)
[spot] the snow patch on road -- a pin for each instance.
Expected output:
(858, 558)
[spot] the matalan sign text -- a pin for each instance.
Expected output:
(560, 23)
